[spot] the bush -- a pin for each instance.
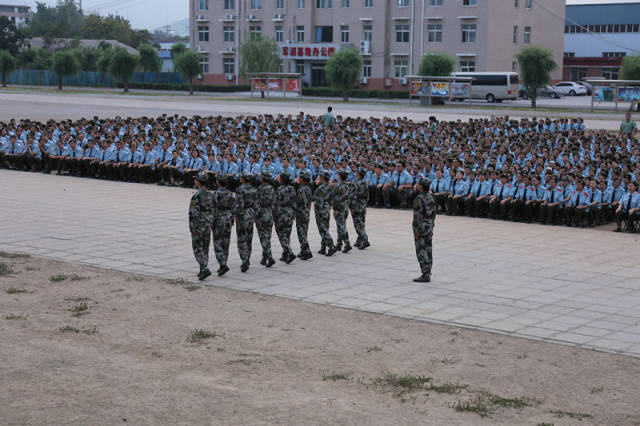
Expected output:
(356, 93)
(185, 87)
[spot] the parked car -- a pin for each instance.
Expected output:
(545, 91)
(570, 88)
(588, 86)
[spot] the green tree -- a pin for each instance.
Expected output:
(260, 54)
(188, 64)
(7, 64)
(149, 59)
(437, 64)
(122, 65)
(104, 61)
(536, 64)
(65, 20)
(113, 27)
(65, 63)
(34, 59)
(630, 69)
(343, 69)
(10, 36)
(177, 49)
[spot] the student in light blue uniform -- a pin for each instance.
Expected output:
(629, 209)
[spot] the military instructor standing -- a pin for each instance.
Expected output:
(200, 219)
(424, 215)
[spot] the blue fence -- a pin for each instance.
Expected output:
(88, 78)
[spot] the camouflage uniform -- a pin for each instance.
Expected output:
(283, 213)
(200, 218)
(223, 201)
(302, 212)
(358, 201)
(424, 214)
(264, 217)
(341, 211)
(322, 198)
(245, 213)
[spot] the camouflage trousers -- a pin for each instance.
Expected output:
(222, 238)
(244, 233)
(359, 216)
(424, 253)
(341, 224)
(302, 229)
(322, 221)
(200, 242)
(264, 225)
(284, 224)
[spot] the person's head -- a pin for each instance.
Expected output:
(201, 180)
(343, 175)
(632, 187)
(628, 116)
(616, 182)
(329, 109)
(284, 178)
(265, 177)
(423, 185)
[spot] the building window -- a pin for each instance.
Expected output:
(204, 64)
(300, 4)
(514, 66)
(279, 4)
(255, 32)
(300, 33)
(279, 33)
(613, 54)
(322, 4)
(467, 66)
(400, 67)
(256, 4)
(517, 3)
(368, 3)
(300, 68)
(527, 35)
(469, 2)
(610, 73)
(229, 33)
(577, 74)
(569, 54)
(402, 3)
(324, 34)
(527, 4)
(228, 65)
(468, 33)
(229, 4)
(366, 68)
(435, 33)
(402, 33)
(435, 3)
(344, 3)
(367, 32)
(515, 34)
(203, 4)
(203, 33)
(344, 33)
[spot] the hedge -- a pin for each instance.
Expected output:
(185, 87)
(356, 93)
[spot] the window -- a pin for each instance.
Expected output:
(527, 35)
(468, 33)
(515, 34)
(514, 66)
(279, 33)
(469, 2)
(613, 54)
(435, 3)
(203, 33)
(517, 3)
(610, 73)
(229, 4)
(300, 68)
(367, 32)
(400, 67)
(402, 3)
(255, 32)
(203, 4)
(402, 33)
(366, 68)
(344, 33)
(322, 4)
(204, 64)
(368, 3)
(527, 4)
(228, 65)
(300, 33)
(569, 54)
(467, 66)
(279, 4)
(300, 4)
(577, 74)
(344, 3)
(490, 79)
(256, 4)
(435, 33)
(324, 34)
(229, 33)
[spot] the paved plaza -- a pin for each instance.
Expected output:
(565, 285)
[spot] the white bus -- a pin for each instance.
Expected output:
(493, 86)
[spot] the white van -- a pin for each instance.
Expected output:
(492, 86)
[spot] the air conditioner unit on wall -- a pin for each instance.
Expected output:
(250, 17)
(403, 81)
(199, 17)
(364, 80)
(230, 17)
(199, 77)
(278, 16)
(230, 49)
(365, 46)
(229, 77)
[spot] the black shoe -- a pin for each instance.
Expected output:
(358, 243)
(290, 258)
(323, 251)
(617, 230)
(332, 251)
(364, 245)
(305, 255)
(204, 274)
(263, 261)
(244, 267)
(422, 279)
(283, 258)
(339, 247)
(347, 248)
(270, 262)
(223, 270)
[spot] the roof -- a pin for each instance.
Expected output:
(609, 13)
(61, 43)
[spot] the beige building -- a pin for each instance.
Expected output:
(18, 14)
(392, 35)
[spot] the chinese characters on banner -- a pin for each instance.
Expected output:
(292, 85)
(276, 84)
(308, 51)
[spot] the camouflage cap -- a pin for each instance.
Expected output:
(362, 171)
(425, 183)
(326, 175)
(247, 174)
(305, 174)
(285, 176)
(202, 177)
(343, 174)
(265, 174)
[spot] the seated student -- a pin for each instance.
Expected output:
(597, 206)
(32, 156)
(611, 199)
(577, 209)
(457, 191)
(534, 197)
(56, 157)
(502, 195)
(550, 207)
(629, 209)
(516, 205)
(174, 169)
(13, 153)
(118, 169)
(192, 167)
(440, 190)
(474, 187)
(71, 158)
(144, 170)
(89, 155)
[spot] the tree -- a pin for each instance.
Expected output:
(259, 54)
(34, 59)
(7, 64)
(104, 61)
(10, 36)
(536, 64)
(343, 69)
(122, 66)
(149, 59)
(188, 64)
(65, 63)
(113, 27)
(437, 64)
(65, 20)
(177, 49)
(630, 69)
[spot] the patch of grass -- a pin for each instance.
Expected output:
(597, 389)
(5, 269)
(545, 424)
(31, 268)
(177, 281)
(76, 277)
(374, 349)
(192, 287)
(508, 402)
(478, 406)
(571, 415)
(404, 383)
(486, 403)
(14, 317)
(69, 329)
(78, 299)
(90, 331)
(80, 309)
(447, 388)
(199, 335)
(336, 376)
(13, 290)
(134, 278)
(13, 255)
(57, 278)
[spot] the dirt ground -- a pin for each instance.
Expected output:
(84, 345)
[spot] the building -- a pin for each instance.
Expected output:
(392, 35)
(597, 37)
(15, 13)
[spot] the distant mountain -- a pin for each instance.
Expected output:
(179, 28)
